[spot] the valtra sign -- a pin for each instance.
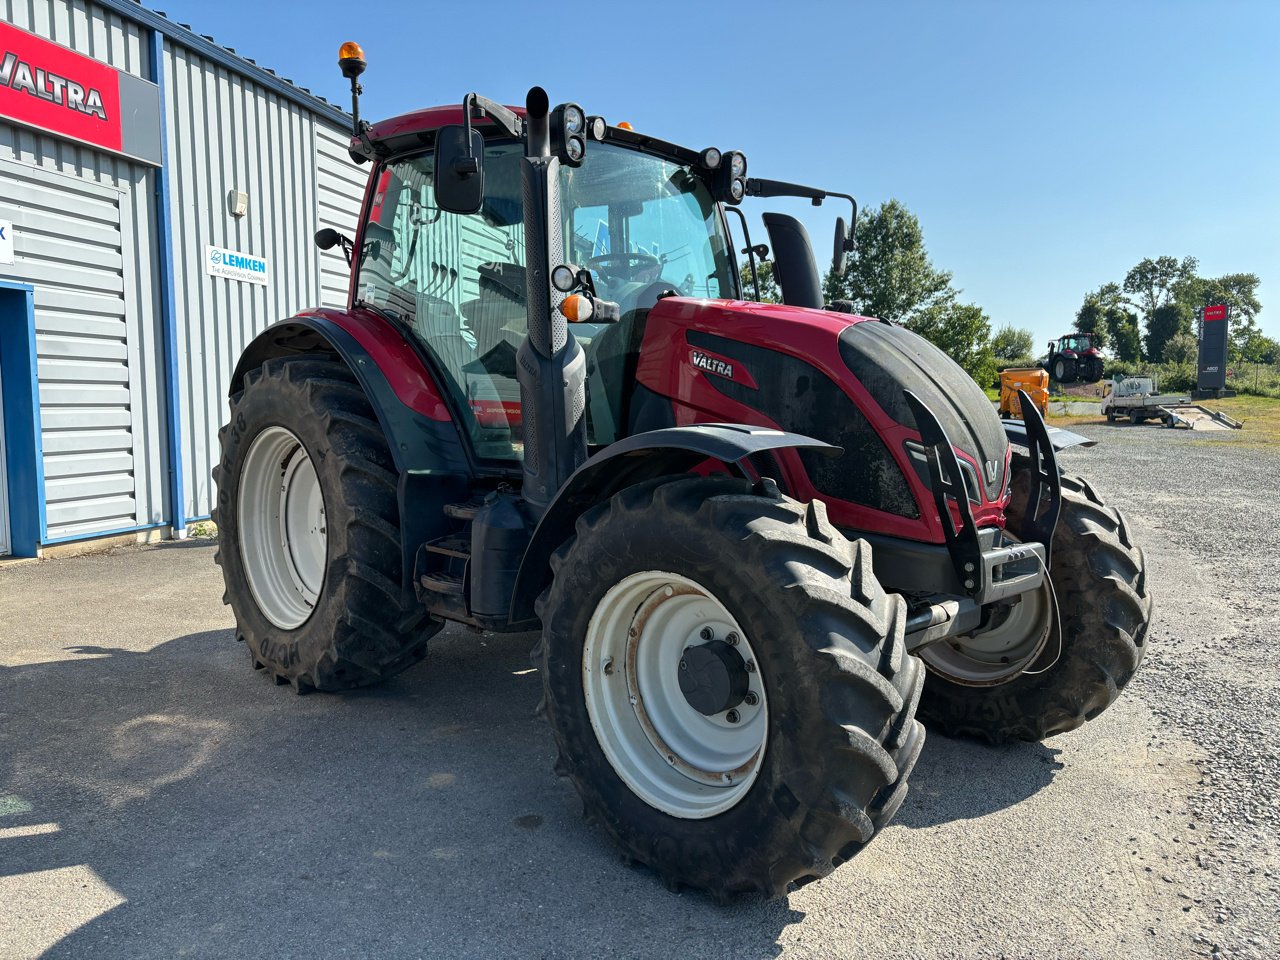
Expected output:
(54, 89)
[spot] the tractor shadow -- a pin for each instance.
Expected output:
(957, 779)
(217, 814)
(175, 802)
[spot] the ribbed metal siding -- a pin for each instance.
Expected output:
(340, 185)
(227, 133)
(60, 322)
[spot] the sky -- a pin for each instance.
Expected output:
(1045, 147)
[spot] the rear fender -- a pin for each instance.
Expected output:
(640, 457)
(424, 443)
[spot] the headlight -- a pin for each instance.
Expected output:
(574, 121)
(737, 166)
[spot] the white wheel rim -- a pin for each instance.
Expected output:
(1001, 653)
(283, 536)
(672, 757)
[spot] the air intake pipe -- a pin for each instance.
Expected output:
(550, 364)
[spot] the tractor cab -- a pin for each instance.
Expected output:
(643, 225)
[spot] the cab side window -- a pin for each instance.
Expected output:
(458, 283)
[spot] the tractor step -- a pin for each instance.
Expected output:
(449, 584)
(466, 510)
(454, 545)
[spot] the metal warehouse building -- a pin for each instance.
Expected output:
(158, 196)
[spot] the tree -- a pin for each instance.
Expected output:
(891, 277)
(963, 332)
(770, 292)
(1180, 348)
(1126, 336)
(1166, 322)
(1155, 283)
(1012, 343)
(1104, 313)
(1260, 349)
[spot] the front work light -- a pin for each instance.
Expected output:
(568, 133)
(711, 158)
(597, 128)
(731, 178)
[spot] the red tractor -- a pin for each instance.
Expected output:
(1075, 356)
(746, 533)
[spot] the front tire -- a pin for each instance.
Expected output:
(1099, 579)
(661, 576)
(309, 530)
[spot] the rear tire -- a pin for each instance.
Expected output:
(1099, 578)
(349, 623)
(837, 738)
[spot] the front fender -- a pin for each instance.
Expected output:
(640, 457)
(1061, 439)
(424, 443)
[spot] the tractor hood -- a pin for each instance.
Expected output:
(836, 377)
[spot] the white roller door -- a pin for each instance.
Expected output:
(68, 243)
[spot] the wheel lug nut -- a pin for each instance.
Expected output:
(731, 639)
(751, 699)
(751, 666)
(706, 633)
(684, 665)
(732, 716)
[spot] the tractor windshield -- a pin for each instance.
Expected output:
(636, 220)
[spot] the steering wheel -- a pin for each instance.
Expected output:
(634, 267)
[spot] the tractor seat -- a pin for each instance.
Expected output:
(499, 313)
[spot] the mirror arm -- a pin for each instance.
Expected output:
(474, 105)
(749, 250)
(850, 244)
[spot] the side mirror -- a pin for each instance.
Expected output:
(459, 179)
(843, 244)
(328, 238)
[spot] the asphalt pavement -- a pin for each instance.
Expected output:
(158, 798)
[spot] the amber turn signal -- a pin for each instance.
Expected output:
(577, 308)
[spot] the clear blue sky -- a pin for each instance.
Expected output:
(1045, 147)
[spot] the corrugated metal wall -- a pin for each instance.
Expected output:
(226, 133)
(339, 180)
(97, 312)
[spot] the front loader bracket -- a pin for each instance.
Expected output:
(988, 569)
(1044, 501)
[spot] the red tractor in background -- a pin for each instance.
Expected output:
(746, 533)
(1075, 357)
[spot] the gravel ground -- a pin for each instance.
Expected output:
(158, 798)
(1206, 509)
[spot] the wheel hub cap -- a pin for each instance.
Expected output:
(713, 678)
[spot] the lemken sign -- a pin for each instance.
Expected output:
(234, 265)
(51, 88)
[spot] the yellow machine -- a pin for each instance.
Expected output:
(1033, 380)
